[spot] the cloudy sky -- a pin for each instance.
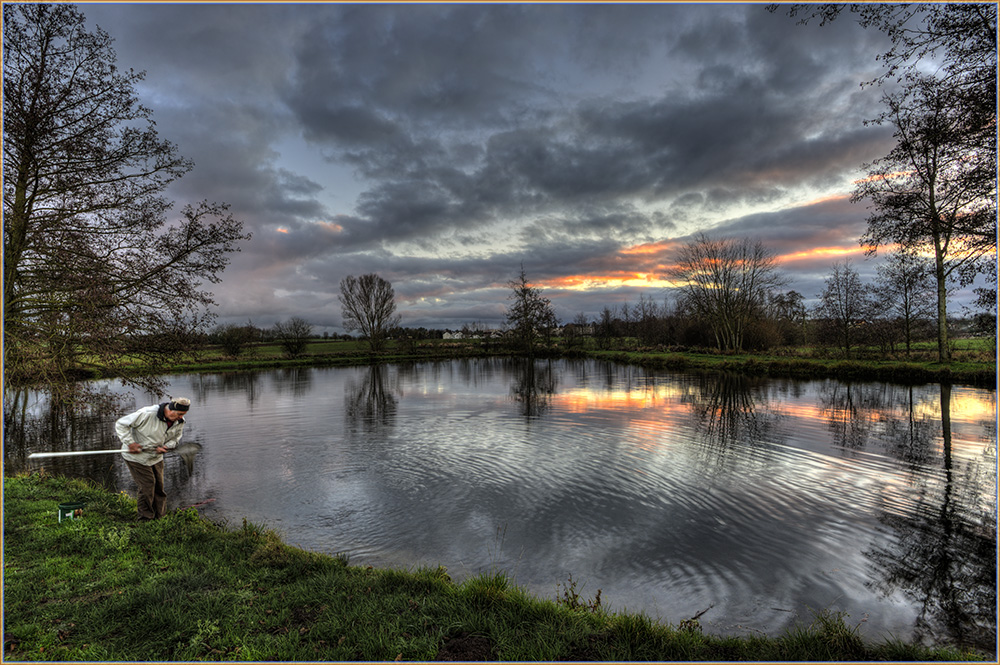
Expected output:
(444, 146)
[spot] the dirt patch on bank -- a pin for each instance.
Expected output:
(466, 647)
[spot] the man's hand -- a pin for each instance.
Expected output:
(134, 448)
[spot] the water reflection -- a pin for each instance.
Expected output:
(851, 411)
(246, 385)
(371, 401)
(732, 409)
(907, 436)
(532, 386)
(942, 550)
(671, 492)
(944, 553)
(296, 381)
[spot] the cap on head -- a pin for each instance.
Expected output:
(179, 404)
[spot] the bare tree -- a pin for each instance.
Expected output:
(574, 332)
(236, 339)
(605, 328)
(905, 292)
(648, 320)
(293, 335)
(936, 190)
(726, 284)
(368, 305)
(845, 306)
(789, 313)
(94, 279)
(627, 316)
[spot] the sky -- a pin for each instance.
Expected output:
(445, 146)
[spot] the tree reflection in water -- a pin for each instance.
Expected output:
(943, 548)
(733, 409)
(851, 411)
(532, 386)
(943, 552)
(246, 384)
(370, 404)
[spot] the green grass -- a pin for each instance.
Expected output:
(106, 588)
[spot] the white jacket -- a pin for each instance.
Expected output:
(148, 428)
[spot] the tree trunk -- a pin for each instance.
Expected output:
(944, 351)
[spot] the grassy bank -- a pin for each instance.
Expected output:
(975, 373)
(973, 363)
(105, 588)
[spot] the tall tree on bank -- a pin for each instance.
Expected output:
(92, 272)
(726, 284)
(368, 305)
(929, 194)
(530, 314)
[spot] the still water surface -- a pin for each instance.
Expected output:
(764, 500)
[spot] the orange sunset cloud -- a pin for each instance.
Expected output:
(650, 248)
(821, 252)
(606, 281)
(329, 226)
(885, 176)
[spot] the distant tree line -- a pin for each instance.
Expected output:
(293, 334)
(236, 340)
(733, 300)
(730, 297)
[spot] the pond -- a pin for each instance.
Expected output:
(758, 501)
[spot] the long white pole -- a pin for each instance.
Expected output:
(74, 452)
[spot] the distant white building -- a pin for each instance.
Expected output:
(470, 334)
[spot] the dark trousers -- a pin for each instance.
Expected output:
(152, 498)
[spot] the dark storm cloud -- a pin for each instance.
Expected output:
(834, 222)
(617, 225)
(674, 146)
(444, 145)
(461, 66)
(732, 134)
